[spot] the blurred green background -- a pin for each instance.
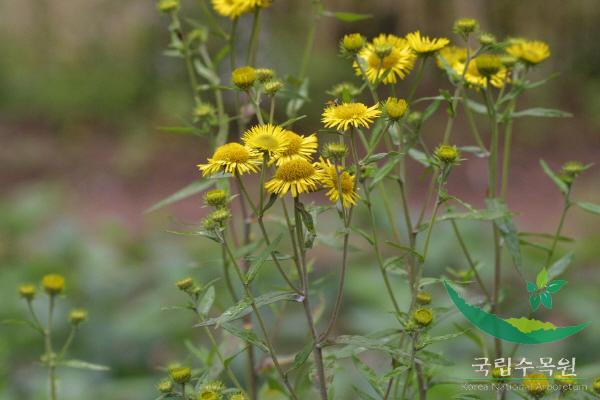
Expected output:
(84, 87)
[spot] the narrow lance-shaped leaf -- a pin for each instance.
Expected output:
(246, 335)
(190, 190)
(257, 264)
(541, 112)
(302, 356)
(589, 207)
(347, 16)
(559, 267)
(562, 186)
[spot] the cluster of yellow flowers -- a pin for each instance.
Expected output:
(235, 8)
(267, 145)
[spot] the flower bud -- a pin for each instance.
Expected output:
(344, 89)
(53, 284)
(272, 87)
(488, 64)
(536, 384)
(185, 283)
(395, 108)
(243, 77)
(180, 375)
(508, 61)
(446, 154)
(566, 383)
(573, 168)
(423, 316)
(415, 118)
(353, 43)
(216, 198)
(167, 6)
(465, 26)
(78, 316)
(264, 74)
(204, 112)
(238, 396)
(423, 298)
(383, 50)
(596, 385)
(335, 151)
(165, 386)
(27, 291)
(221, 215)
(486, 39)
(500, 373)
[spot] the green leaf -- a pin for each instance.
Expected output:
(302, 356)
(481, 215)
(431, 109)
(384, 171)
(244, 307)
(477, 107)
(541, 112)
(347, 16)
(246, 335)
(531, 287)
(555, 286)
(292, 120)
(542, 278)
(508, 230)
(190, 190)
(22, 322)
(369, 374)
(559, 267)
(368, 343)
(534, 301)
(257, 264)
(78, 364)
(546, 299)
(589, 207)
(207, 301)
(557, 181)
(364, 234)
(442, 338)
(419, 157)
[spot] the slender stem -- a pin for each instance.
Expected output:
(50, 356)
(363, 73)
(183, 391)
(561, 223)
(254, 36)
(417, 80)
(260, 320)
(272, 110)
(317, 352)
(227, 276)
(507, 147)
(256, 104)
(310, 41)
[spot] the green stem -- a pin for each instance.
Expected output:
(310, 41)
(254, 36)
(363, 73)
(417, 81)
(50, 356)
(507, 148)
(561, 223)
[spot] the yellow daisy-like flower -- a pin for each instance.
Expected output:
(452, 55)
(424, 45)
(475, 79)
(268, 139)
(531, 52)
(387, 57)
(298, 146)
(234, 8)
(329, 179)
(233, 158)
(536, 384)
(346, 115)
(297, 175)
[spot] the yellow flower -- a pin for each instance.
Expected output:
(423, 316)
(268, 139)
(488, 64)
(243, 77)
(180, 375)
(297, 175)
(211, 391)
(27, 291)
(77, 316)
(451, 55)
(536, 384)
(234, 8)
(531, 52)
(388, 57)
(447, 154)
(165, 386)
(329, 179)
(238, 396)
(216, 198)
(395, 108)
(53, 284)
(232, 158)
(185, 283)
(335, 151)
(352, 43)
(346, 115)
(475, 79)
(167, 5)
(298, 146)
(424, 45)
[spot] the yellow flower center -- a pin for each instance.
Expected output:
(295, 170)
(346, 182)
(232, 152)
(350, 111)
(267, 142)
(294, 144)
(389, 61)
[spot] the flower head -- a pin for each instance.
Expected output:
(388, 58)
(233, 158)
(451, 55)
(234, 8)
(165, 386)
(298, 175)
(27, 291)
(465, 26)
(216, 198)
(447, 154)
(78, 316)
(596, 385)
(53, 284)
(488, 65)
(536, 384)
(573, 168)
(424, 45)
(423, 316)
(273, 86)
(347, 115)
(264, 74)
(268, 139)
(167, 6)
(185, 283)
(205, 112)
(335, 151)
(352, 43)
(486, 39)
(344, 89)
(180, 375)
(298, 146)
(220, 215)
(211, 391)
(340, 183)
(499, 373)
(423, 298)
(238, 396)
(565, 382)
(531, 52)
(395, 108)
(243, 77)
(475, 79)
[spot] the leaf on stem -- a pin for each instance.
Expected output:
(562, 186)
(189, 190)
